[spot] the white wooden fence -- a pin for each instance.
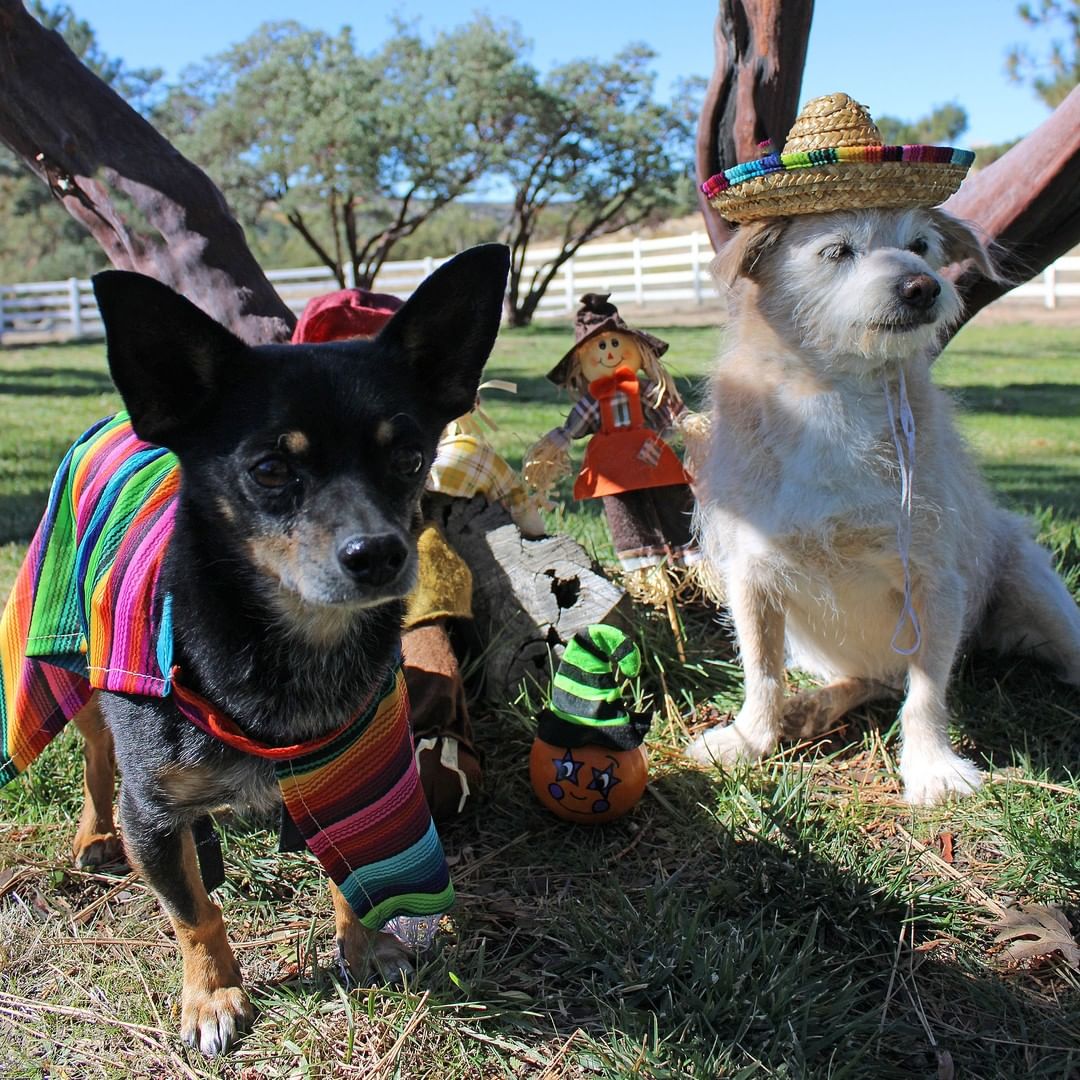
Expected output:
(659, 272)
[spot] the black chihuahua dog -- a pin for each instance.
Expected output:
(292, 548)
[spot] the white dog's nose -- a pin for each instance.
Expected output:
(919, 290)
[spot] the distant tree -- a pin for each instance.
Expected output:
(989, 153)
(460, 225)
(595, 149)
(1052, 76)
(942, 127)
(37, 239)
(354, 152)
(94, 152)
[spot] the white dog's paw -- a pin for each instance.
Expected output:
(936, 776)
(729, 746)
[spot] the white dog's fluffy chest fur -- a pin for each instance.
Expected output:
(803, 487)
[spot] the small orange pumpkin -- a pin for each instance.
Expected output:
(587, 784)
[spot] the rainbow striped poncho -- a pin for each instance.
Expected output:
(87, 613)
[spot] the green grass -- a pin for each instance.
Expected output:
(789, 920)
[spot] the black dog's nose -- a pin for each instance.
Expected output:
(373, 560)
(919, 290)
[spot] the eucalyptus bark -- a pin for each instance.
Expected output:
(1027, 202)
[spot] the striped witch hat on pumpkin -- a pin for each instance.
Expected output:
(834, 160)
(587, 705)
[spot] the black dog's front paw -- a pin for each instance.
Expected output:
(211, 1020)
(390, 958)
(97, 849)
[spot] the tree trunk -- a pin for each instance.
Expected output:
(96, 154)
(754, 91)
(1027, 201)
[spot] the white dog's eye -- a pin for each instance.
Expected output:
(918, 246)
(837, 252)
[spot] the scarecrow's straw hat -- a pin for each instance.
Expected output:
(834, 160)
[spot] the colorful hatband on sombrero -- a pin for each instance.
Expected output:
(834, 160)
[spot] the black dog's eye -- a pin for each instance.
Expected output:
(272, 472)
(407, 460)
(836, 252)
(918, 246)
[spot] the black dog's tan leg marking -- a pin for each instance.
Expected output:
(812, 713)
(358, 946)
(214, 1007)
(95, 840)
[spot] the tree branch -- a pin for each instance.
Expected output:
(754, 90)
(1027, 202)
(296, 220)
(94, 151)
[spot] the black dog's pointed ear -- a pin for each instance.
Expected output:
(165, 354)
(447, 327)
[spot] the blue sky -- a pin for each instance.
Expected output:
(899, 57)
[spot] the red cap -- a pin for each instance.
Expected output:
(347, 313)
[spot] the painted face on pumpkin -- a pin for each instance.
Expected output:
(587, 784)
(606, 352)
(570, 789)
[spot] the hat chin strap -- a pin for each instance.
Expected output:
(905, 456)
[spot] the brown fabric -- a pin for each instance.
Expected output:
(444, 588)
(652, 525)
(439, 712)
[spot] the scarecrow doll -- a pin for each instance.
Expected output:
(625, 401)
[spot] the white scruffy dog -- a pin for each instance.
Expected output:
(824, 415)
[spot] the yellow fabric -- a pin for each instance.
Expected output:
(444, 588)
(466, 465)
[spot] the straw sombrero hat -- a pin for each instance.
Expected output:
(834, 160)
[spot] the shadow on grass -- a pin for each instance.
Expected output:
(1012, 708)
(1028, 487)
(684, 945)
(20, 514)
(734, 925)
(530, 388)
(1021, 399)
(55, 381)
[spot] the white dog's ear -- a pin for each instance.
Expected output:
(963, 243)
(742, 255)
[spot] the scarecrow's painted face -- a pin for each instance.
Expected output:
(606, 352)
(587, 784)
